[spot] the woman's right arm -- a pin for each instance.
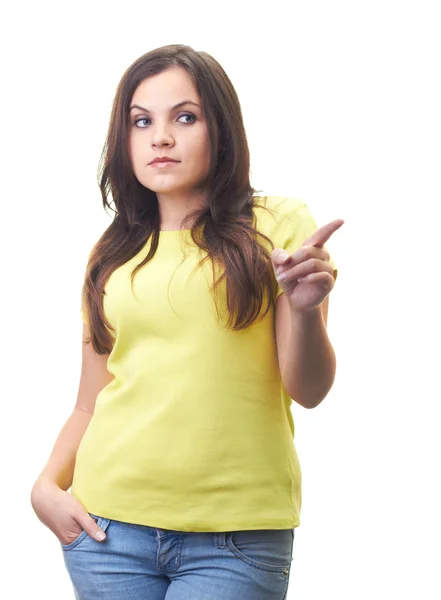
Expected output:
(94, 377)
(54, 507)
(59, 468)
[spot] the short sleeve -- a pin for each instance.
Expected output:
(296, 225)
(83, 316)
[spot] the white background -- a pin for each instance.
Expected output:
(341, 102)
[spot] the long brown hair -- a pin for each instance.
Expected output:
(225, 229)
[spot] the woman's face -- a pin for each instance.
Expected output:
(158, 129)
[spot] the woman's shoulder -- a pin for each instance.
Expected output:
(271, 210)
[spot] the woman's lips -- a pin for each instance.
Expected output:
(163, 165)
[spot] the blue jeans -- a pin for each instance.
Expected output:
(137, 562)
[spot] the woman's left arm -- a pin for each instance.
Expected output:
(306, 357)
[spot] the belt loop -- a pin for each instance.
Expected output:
(219, 539)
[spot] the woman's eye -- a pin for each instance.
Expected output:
(188, 115)
(147, 119)
(139, 120)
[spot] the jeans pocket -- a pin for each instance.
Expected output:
(102, 523)
(265, 549)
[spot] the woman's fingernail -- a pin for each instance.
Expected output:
(100, 535)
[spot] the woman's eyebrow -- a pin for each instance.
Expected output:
(172, 108)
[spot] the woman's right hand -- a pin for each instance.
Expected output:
(62, 513)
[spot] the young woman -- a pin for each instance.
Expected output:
(205, 309)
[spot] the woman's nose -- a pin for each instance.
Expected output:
(161, 135)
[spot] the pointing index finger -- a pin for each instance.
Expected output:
(322, 235)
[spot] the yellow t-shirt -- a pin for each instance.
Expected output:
(195, 432)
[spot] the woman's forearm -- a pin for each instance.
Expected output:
(60, 467)
(309, 371)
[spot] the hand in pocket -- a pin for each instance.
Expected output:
(62, 513)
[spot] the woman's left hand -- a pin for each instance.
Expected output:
(306, 276)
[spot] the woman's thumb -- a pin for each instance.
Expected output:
(93, 530)
(279, 256)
